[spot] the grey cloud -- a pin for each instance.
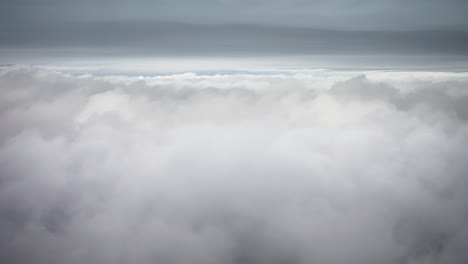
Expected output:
(305, 168)
(159, 38)
(123, 28)
(336, 14)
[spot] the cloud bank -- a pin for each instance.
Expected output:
(319, 167)
(325, 14)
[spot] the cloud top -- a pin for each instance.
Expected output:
(323, 167)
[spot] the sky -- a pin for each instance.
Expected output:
(145, 28)
(233, 132)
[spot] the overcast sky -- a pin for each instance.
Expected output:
(330, 14)
(224, 27)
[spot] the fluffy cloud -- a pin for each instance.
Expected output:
(319, 167)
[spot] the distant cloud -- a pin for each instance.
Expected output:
(145, 28)
(239, 168)
(324, 14)
(167, 38)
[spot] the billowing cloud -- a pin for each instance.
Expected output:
(318, 167)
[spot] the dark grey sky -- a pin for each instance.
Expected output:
(226, 27)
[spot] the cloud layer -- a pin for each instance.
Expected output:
(320, 167)
(325, 14)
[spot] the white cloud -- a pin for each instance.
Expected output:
(307, 168)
